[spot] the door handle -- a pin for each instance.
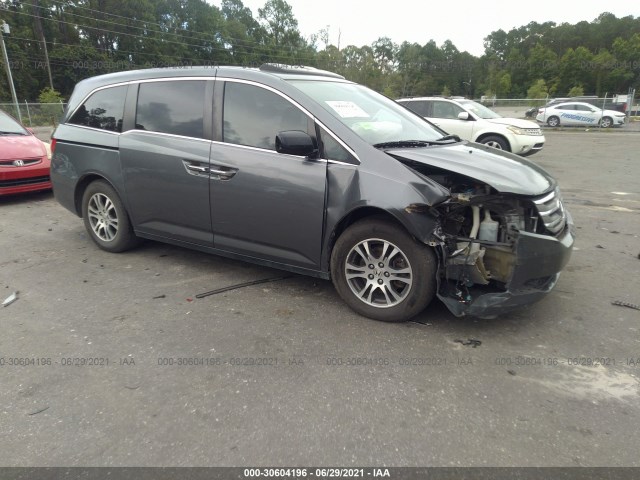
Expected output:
(222, 173)
(197, 168)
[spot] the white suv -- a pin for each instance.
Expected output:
(474, 122)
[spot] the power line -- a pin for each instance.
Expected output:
(209, 48)
(213, 37)
(55, 43)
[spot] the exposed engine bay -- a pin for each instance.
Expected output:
(478, 231)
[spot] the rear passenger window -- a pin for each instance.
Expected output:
(104, 110)
(175, 107)
(253, 116)
(417, 106)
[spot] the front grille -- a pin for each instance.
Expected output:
(532, 131)
(551, 211)
(23, 181)
(27, 162)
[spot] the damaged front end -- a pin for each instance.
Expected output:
(497, 251)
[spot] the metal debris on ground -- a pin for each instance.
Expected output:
(620, 303)
(39, 411)
(471, 342)
(420, 323)
(10, 299)
(242, 285)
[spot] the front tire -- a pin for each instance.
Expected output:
(553, 121)
(106, 219)
(606, 122)
(381, 272)
(498, 143)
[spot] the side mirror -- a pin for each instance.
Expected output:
(295, 142)
(463, 116)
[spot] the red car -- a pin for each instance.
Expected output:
(24, 165)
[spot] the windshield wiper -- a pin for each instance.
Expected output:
(448, 137)
(403, 144)
(10, 133)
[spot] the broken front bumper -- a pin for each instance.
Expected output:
(538, 261)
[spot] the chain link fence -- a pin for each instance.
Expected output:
(627, 105)
(35, 114)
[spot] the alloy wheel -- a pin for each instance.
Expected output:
(103, 217)
(378, 273)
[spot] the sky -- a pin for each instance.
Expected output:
(466, 22)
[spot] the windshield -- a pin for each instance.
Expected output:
(9, 125)
(478, 109)
(374, 117)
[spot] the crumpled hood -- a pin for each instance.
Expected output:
(516, 122)
(505, 172)
(18, 147)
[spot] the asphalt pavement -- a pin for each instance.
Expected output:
(111, 360)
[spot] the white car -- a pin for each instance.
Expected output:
(581, 114)
(474, 122)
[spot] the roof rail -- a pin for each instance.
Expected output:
(298, 70)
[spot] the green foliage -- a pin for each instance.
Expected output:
(92, 37)
(576, 91)
(49, 95)
(446, 92)
(538, 90)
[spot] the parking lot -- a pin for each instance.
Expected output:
(110, 360)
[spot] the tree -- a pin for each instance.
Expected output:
(576, 91)
(242, 34)
(504, 85)
(280, 24)
(538, 90)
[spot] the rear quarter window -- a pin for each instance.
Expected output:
(103, 110)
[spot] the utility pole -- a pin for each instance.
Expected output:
(40, 34)
(4, 28)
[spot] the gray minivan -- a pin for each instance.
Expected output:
(299, 169)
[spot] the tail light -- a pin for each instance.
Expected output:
(53, 145)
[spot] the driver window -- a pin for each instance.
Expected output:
(446, 110)
(253, 116)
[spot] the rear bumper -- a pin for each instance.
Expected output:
(539, 261)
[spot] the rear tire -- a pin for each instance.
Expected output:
(381, 272)
(106, 219)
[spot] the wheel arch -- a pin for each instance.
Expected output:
(607, 117)
(484, 135)
(370, 212)
(82, 185)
